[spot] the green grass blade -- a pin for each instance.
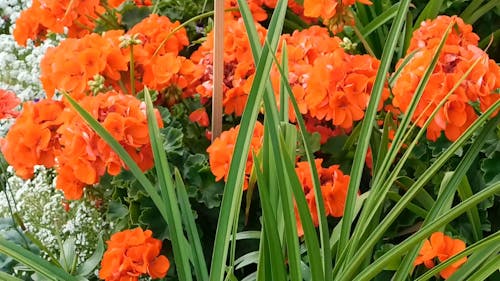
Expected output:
(465, 191)
(486, 270)
(482, 10)
(271, 111)
(422, 197)
(474, 261)
(408, 196)
(380, 20)
(261, 265)
(453, 183)
(487, 243)
(277, 261)
(367, 126)
(199, 263)
(33, 261)
(381, 183)
(473, 6)
(283, 93)
(378, 265)
(323, 225)
(417, 210)
(7, 277)
(233, 189)
(167, 189)
(430, 11)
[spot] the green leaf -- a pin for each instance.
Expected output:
(91, 263)
(169, 199)
(366, 130)
(189, 223)
(373, 269)
(232, 190)
(132, 15)
(172, 140)
(33, 261)
(67, 256)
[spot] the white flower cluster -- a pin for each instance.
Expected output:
(20, 66)
(44, 213)
(10, 10)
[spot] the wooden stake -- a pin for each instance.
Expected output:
(218, 68)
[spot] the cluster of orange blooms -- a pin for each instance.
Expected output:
(32, 139)
(239, 67)
(131, 254)
(459, 53)
(333, 90)
(157, 58)
(221, 151)
(333, 181)
(79, 16)
(334, 13)
(442, 247)
(50, 133)
(257, 7)
(69, 66)
(334, 186)
(73, 63)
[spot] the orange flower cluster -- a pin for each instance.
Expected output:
(85, 157)
(334, 186)
(335, 14)
(69, 66)
(442, 247)
(32, 140)
(157, 57)
(304, 47)
(239, 67)
(256, 8)
(51, 134)
(459, 53)
(132, 253)
(221, 151)
(54, 15)
(258, 12)
(8, 101)
(339, 87)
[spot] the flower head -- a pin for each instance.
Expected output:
(459, 53)
(442, 247)
(221, 151)
(132, 253)
(333, 190)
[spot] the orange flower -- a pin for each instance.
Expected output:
(221, 151)
(442, 247)
(334, 13)
(238, 65)
(200, 116)
(459, 53)
(339, 87)
(55, 16)
(84, 157)
(8, 101)
(334, 186)
(258, 12)
(32, 139)
(69, 66)
(132, 253)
